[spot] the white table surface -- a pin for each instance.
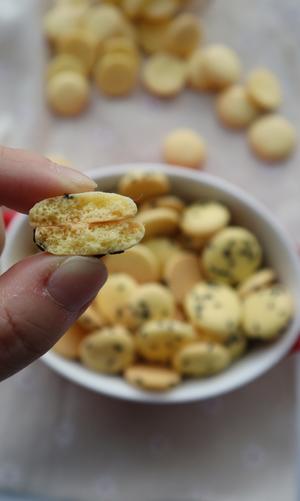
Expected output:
(59, 440)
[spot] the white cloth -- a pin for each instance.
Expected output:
(59, 440)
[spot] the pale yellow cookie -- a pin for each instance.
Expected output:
(184, 147)
(68, 345)
(139, 262)
(196, 75)
(266, 313)
(192, 243)
(109, 350)
(116, 74)
(114, 296)
(150, 301)
(62, 18)
(159, 222)
(221, 66)
(80, 43)
(231, 256)
(68, 93)
(163, 249)
(182, 273)
(234, 107)
(272, 138)
(89, 207)
(214, 309)
(183, 35)
(148, 377)
(164, 75)
(104, 21)
(264, 89)
(158, 340)
(166, 202)
(64, 62)
(159, 10)
(133, 8)
(236, 346)
(201, 359)
(203, 220)
(140, 184)
(92, 223)
(260, 280)
(90, 320)
(151, 36)
(120, 45)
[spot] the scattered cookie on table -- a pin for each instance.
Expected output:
(116, 74)
(235, 108)
(164, 75)
(184, 147)
(183, 35)
(90, 224)
(221, 66)
(272, 138)
(68, 93)
(263, 89)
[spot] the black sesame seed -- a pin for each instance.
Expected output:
(67, 196)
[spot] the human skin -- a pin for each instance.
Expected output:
(41, 296)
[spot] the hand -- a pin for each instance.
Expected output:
(41, 296)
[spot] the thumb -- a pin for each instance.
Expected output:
(40, 297)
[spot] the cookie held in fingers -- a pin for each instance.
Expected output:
(87, 224)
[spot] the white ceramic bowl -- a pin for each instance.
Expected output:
(246, 211)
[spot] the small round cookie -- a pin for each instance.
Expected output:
(62, 18)
(152, 36)
(264, 89)
(231, 256)
(90, 320)
(151, 378)
(114, 296)
(104, 21)
(221, 66)
(64, 62)
(158, 340)
(68, 345)
(140, 184)
(159, 222)
(196, 76)
(182, 273)
(236, 345)
(68, 93)
(183, 35)
(116, 74)
(164, 75)
(192, 243)
(214, 309)
(184, 147)
(234, 107)
(203, 220)
(109, 350)
(79, 43)
(139, 262)
(163, 249)
(120, 45)
(133, 8)
(165, 202)
(159, 10)
(149, 302)
(267, 312)
(260, 280)
(272, 138)
(201, 359)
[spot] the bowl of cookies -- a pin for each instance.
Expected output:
(206, 301)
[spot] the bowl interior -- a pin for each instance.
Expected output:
(247, 212)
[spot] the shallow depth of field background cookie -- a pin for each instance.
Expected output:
(243, 444)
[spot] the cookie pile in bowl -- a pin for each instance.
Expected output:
(188, 301)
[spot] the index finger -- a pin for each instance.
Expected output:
(26, 178)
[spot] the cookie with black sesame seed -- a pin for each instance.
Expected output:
(214, 308)
(201, 359)
(109, 350)
(231, 256)
(151, 377)
(150, 301)
(266, 313)
(114, 296)
(262, 279)
(158, 340)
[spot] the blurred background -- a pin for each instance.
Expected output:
(63, 442)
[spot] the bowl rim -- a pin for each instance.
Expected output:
(69, 369)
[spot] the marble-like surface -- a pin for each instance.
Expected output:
(60, 440)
